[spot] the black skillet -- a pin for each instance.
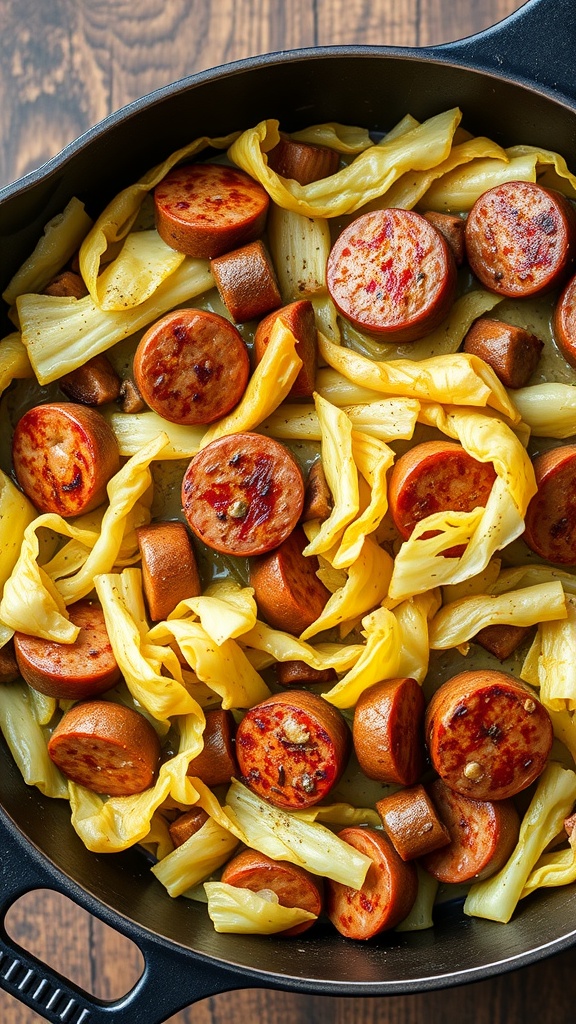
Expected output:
(516, 82)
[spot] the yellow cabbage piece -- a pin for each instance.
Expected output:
(556, 662)
(244, 912)
(284, 647)
(134, 430)
(16, 513)
(144, 262)
(226, 610)
(420, 917)
(116, 220)
(459, 621)
(62, 237)
(114, 824)
(555, 868)
(373, 459)
(369, 176)
(27, 742)
(548, 409)
(557, 175)
(14, 361)
(386, 419)
(379, 659)
(196, 859)
(340, 814)
(410, 188)
(267, 388)
(496, 898)
(460, 189)
(344, 138)
(341, 475)
(413, 625)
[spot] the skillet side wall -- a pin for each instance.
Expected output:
(374, 89)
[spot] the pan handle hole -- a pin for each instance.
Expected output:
(68, 939)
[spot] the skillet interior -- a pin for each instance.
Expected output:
(373, 88)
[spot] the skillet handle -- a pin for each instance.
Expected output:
(535, 44)
(170, 981)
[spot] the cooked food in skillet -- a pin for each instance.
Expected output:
(288, 572)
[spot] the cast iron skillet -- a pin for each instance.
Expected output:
(515, 83)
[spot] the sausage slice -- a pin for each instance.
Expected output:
(520, 238)
(298, 673)
(94, 383)
(293, 886)
(388, 731)
(564, 322)
(192, 366)
(436, 476)
(501, 639)
(488, 736)
(247, 282)
(243, 494)
(216, 763)
(304, 162)
(318, 501)
(287, 590)
(207, 209)
(74, 671)
(187, 825)
(388, 893)
(453, 230)
(482, 835)
(292, 748)
(411, 822)
(512, 352)
(106, 747)
(550, 521)
(299, 318)
(392, 273)
(169, 570)
(64, 455)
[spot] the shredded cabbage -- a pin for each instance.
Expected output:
(196, 859)
(244, 912)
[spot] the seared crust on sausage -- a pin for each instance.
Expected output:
(191, 366)
(388, 731)
(94, 383)
(64, 455)
(392, 273)
(287, 590)
(243, 494)
(512, 352)
(292, 748)
(169, 570)
(187, 825)
(411, 822)
(488, 735)
(387, 896)
(520, 238)
(304, 162)
(74, 671)
(299, 318)
(106, 747)
(247, 282)
(293, 886)
(9, 670)
(207, 209)
(216, 763)
(550, 521)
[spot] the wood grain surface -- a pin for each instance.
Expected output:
(64, 65)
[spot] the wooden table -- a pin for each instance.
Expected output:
(64, 65)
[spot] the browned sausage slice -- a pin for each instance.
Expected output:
(106, 747)
(436, 476)
(488, 736)
(482, 834)
(453, 230)
(299, 318)
(318, 501)
(292, 748)
(207, 209)
(564, 322)
(520, 238)
(293, 886)
(64, 455)
(512, 352)
(67, 284)
(392, 273)
(94, 383)
(130, 399)
(9, 670)
(298, 673)
(187, 825)
(247, 282)
(388, 731)
(169, 570)
(192, 366)
(70, 671)
(388, 893)
(216, 763)
(287, 590)
(411, 822)
(550, 521)
(243, 494)
(304, 162)
(501, 639)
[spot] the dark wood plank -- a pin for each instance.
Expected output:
(58, 75)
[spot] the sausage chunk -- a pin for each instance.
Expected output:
(9, 671)
(192, 366)
(247, 282)
(520, 238)
(67, 284)
(387, 896)
(512, 352)
(388, 731)
(216, 763)
(187, 825)
(243, 494)
(94, 383)
(453, 230)
(501, 639)
(304, 162)
(207, 209)
(488, 736)
(392, 273)
(287, 590)
(64, 455)
(106, 747)
(564, 322)
(169, 570)
(298, 673)
(292, 748)
(70, 671)
(482, 835)
(318, 501)
(299, 318)
(550, 521)
(411, 822)
(293, 886)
